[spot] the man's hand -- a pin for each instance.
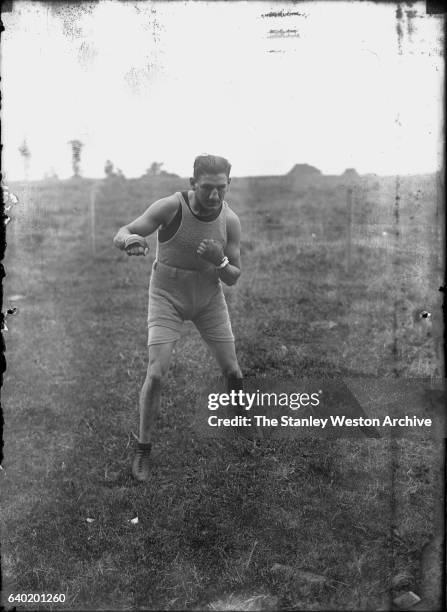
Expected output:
(135, 245)
(136, 249)
(120, 239)
(211, 250)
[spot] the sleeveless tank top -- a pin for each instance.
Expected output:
(180, 250)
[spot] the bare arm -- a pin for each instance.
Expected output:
(159, 213)
(230, 274)
(212, 251)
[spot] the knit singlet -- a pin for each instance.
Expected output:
(180, 250)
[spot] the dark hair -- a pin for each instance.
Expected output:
(211, 164)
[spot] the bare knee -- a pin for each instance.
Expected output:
(155, 375)
(232, 371)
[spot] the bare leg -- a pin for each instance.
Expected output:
(159, 359)
(225, 354)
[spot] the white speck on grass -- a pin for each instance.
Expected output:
(244, 603)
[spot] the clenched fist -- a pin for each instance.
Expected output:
(135, 245)
(136, 249)
(211, 250)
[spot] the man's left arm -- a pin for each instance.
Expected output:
(232, 271)
(212, 251)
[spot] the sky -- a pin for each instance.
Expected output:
(332, 84)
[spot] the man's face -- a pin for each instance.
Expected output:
(210, 190)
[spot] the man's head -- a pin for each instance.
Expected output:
(211, 164)
(210, 181)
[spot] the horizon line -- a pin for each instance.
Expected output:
(173, 175)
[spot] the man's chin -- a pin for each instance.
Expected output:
(210, 208)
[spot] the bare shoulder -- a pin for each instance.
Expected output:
(233, 223)
(165, 208)
(169, 203)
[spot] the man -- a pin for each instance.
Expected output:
(198, 246)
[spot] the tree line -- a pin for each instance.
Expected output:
(76, 146)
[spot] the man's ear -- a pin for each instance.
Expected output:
(192, 182)
(229, 180)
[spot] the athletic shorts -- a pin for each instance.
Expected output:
(177, 295)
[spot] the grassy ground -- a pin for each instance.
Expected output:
(218, 526)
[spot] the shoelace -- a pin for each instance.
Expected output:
(141, 454)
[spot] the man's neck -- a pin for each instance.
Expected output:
(196, 207)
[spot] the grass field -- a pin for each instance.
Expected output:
(311, 524)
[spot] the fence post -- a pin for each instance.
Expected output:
(349, 230)
(93, 193)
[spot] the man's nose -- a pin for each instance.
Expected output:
(214, 195)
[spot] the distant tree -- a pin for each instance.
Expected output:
(169, 174)
(350, 173)
(76, 148)
(109, 169)
(155, 169)
(26, 157)
(120, 173)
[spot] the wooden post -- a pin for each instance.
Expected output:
(93, 193)
(349, 230)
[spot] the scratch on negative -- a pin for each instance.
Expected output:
(283, 34)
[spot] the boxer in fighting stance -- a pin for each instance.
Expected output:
(198, 246)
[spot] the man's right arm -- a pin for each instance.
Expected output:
(158, 214)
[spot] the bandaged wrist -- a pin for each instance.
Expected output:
(225, 262)
(133, 239)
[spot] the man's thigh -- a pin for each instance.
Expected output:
(160, 358)
(165, 312)
(166, 333)
(225, 354)
(213, 322)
